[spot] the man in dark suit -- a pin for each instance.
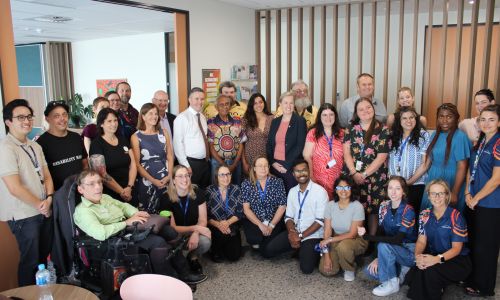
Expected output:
(161, 100)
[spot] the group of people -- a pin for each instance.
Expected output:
(325, 185)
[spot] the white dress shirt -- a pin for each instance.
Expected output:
(188, 139)
(313, 209)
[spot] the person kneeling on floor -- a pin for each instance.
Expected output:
(100, 216)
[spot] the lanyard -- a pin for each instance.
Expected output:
(330, 143)
(225, 201)
(301, 204)
(480, 151)
(34, 161)
(262, 193)
(400, 157)
(184, 208)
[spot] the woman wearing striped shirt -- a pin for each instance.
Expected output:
(407, 157)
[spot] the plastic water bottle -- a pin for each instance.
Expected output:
(42, 279)
(52, 272)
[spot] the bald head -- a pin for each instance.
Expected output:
(160, 99)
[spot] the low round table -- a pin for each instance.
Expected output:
(59, 291)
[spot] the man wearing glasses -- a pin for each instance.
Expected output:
(304, 215)
(63, 149)
(26, 188)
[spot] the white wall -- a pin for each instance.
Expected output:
(138, 58)
(221, 35)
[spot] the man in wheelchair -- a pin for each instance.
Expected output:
(101, 217)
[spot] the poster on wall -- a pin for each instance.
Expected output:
(211, 81)
(104, 85)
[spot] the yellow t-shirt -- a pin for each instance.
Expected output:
(237, 110)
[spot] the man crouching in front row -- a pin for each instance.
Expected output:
(100, 216)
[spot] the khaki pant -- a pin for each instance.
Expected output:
(343, 255)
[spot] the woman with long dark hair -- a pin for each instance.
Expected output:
(323, 150)
(483, 197)
(408, 154)
(256, 123)
(366, 147)
(448, 155)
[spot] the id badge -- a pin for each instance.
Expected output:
(331, 163)
(359, 165)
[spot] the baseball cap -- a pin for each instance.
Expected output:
(53, 104)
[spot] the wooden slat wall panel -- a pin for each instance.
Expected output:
(458, 49)
(323, 55)
(347, 46)
(443, 52)
(300, 30)
(496, 84)
(386, 51)
(257, 49)
(487, 43)
(268, 58)
(414, 52)
(289, 48)
(311, 53)
(278, 54)
(472, 57)
(427, 57)
(335, 25)
(400, 46)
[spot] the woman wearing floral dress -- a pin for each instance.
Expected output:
(365, 153)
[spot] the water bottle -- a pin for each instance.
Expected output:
(42, 278)
(52, 272)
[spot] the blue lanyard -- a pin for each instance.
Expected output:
(225, 201)
(301, 204)
(403, 147)
(330, 142)
(184, 208)
(480, 151)
(262, 193)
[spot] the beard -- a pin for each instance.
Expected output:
(301, 103)
(124, 99)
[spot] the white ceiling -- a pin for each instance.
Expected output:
(91, 20)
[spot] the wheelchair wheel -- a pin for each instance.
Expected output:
(193, 287)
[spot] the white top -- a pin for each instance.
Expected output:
(188, 140)
(312, 210)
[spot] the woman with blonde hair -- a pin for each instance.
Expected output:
(405, 99)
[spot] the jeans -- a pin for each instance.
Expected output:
(390, 259)
(236, 174)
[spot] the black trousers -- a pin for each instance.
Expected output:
(485, 251)
(428, 283)
(269, 246)
(308, 257)
(34, 238)
(201, 172)
(226, 245)
(415, 194)
(288, 178)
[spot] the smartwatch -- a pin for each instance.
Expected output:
(441, 258)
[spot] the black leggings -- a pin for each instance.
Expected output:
(226, 245)
(269, 246)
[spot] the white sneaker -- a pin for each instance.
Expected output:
(256, 246)
(349, 276)
(402, 274)
(387, 288)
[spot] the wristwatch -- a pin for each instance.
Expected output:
(364, 174)
(441, 258)
(300, 235)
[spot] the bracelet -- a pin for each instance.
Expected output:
(49, 195)
(271, 225)
(353, 173)
(128, 185)
(467, 194)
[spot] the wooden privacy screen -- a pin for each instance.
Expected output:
(328, 46)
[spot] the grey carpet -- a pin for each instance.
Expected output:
(255, 278)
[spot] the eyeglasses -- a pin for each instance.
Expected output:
(439, 194)
(22, 118)
(93, 183)
(224, 175)
(183, 176)
(343, 188)
(56, 102)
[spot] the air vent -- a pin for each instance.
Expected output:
(52, 19)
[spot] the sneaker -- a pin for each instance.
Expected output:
(192, 278)
(402, 274)
(255, 247)
(349, 276)
(387, 288)
(195, 266)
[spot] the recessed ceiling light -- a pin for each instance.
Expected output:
(471, 2)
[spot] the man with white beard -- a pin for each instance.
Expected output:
(303, 103)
